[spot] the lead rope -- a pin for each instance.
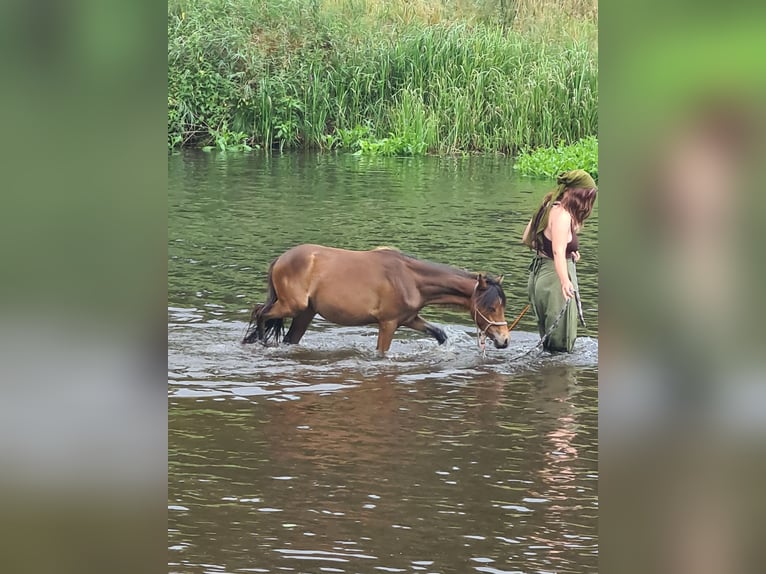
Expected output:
(580, 315)
(547, 334)
(524, 310)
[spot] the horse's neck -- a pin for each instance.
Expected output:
(441, 285)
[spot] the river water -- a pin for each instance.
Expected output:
(323, 458)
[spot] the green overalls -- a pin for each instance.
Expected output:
(547, 301)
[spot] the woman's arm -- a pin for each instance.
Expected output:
(561, 224)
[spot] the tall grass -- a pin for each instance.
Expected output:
(292, 74)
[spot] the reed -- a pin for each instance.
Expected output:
(379, 76)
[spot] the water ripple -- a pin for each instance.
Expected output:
(322, 457)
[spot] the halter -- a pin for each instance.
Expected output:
(481, 334)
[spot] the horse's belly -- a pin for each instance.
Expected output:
(346, 312)
(354, 307)
(342, 317)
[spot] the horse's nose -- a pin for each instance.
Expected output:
(502, 342)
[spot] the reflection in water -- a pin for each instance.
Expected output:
(369, 464)
(559, 474)
(323, 458)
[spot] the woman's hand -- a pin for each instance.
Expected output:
(567, 289)
(575, 256)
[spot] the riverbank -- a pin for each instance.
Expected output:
(380, 77)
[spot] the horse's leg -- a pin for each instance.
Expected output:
(279, 310)
(420, 324)
(299, 325)
(385, 334)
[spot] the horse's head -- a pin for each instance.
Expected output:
(488, 310)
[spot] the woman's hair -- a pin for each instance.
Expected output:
(532, 239)
(578, 201)
(576, 193)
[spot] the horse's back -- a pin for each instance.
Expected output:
(309, 255)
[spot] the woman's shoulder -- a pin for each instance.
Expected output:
(558, 212)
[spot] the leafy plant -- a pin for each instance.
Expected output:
(550, 161)
(350, 138)
(226, 140)
(392, 146)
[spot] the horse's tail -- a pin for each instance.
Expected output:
(259, 330)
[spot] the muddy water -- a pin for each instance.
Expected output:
(324, 458)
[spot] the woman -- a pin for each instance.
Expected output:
(552, 233)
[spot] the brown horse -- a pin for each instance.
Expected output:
(381, 286)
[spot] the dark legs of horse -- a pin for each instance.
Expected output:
(299, 325)
(420, 324)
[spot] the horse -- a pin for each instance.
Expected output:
(382, 286)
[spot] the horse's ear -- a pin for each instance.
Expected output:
(500, 280)
(482, 279)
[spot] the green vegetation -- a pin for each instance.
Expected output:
(387, 77)
(550, 161)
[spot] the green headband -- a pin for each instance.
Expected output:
(574, 178)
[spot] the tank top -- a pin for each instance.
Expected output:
(572, 246)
